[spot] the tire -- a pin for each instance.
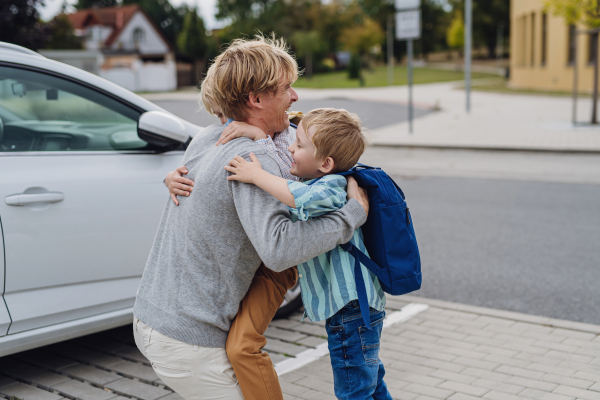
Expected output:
(291, 302)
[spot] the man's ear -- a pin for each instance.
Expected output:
(327, 165)
(255, 100)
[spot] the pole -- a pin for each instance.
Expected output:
(575, 77)
(595, 96)
(390, 49)
(468, 33)
(500, 44)
(409, 45)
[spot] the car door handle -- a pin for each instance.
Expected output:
(26, 198)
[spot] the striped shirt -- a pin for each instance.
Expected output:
(327, 281)
(279, 146)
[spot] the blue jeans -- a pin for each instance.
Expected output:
(357, 370)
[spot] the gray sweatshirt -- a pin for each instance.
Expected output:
(208, 248)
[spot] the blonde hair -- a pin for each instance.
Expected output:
(245, 67)
(207, 91)
(338, 134)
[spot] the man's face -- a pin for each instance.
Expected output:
(276, 105)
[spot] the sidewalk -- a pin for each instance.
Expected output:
(459, 352)
(497, 121)
(431, 350)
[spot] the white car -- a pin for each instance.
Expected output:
(82, 162)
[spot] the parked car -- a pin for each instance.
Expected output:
(82, 162)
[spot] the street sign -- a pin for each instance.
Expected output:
(407, 4)
(408, 25)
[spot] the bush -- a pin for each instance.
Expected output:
(354, 67)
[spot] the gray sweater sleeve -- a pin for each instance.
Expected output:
(280, 243)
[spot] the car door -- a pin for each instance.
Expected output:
(80, 198)
(4, 317)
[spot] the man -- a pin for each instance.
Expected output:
(208, 249)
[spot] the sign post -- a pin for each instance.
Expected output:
(408, 27)
(468, 47)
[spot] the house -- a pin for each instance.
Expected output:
(130, 50)
(544, 48)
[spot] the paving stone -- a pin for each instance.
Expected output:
(525, 373)
(27, 392)
(138, 389)
(532, 383)
(464, 388)
(83, 391)
(92, 374)
(38, 376)
(463, 396)
(494, 395)
(288, 336)
(284, 347)
(578, 393)
(486, 374)
(4, 381)
(596, 387)
(538, 394)
(285, 323)
(547, 361)
(314, 394)
(292, 388)
(471, 362)
(565, 380)
(499, 386)
(578, 358)
(401, 394)
(312, 341)
(290, 397)
(428, 390)
(132, 353)
(311, 329)
(276, 357)
(135, 370)
(46, 359)
(85, 355)
(316, 384)
(452, 376)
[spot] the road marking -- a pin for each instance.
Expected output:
(308, 356)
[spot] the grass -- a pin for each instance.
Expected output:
(501, 86)
(378, 77)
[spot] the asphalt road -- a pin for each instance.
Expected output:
(508, 230)
(373, 114)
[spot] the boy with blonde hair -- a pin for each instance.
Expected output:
(330, 141)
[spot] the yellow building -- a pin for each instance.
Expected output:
(542, 50)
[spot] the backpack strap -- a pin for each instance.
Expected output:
(361, 288)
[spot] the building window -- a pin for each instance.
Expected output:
(138, 36)
(572, 44)
(593, 47)
(522, 43)
(532, 60)
(544, 38)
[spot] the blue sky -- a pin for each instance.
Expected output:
(207, 10)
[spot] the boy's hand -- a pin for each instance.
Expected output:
(358, 193)
(238, 129)
(178, 185)
(243, 170)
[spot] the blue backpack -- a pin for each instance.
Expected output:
(389, 237)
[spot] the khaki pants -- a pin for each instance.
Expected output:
(194, 372)
(253, 368)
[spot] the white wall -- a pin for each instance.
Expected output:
(145, 77)
(152, 44)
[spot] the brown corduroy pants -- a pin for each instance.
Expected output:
(254, 369)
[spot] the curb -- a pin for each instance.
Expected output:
(508, 315)
(487, 148)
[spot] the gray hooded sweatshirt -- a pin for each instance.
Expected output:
(208, 248)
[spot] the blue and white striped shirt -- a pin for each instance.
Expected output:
(327, 281)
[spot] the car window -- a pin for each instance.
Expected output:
(41, 112)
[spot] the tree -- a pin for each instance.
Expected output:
(581, 12)
(361, 39)
(455, 36)
(307, 44)
(20, 23)
(62, 35)
(192, 40)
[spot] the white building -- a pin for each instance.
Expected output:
(122, 45)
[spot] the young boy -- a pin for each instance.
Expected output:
(330, 141)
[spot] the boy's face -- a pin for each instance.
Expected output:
(303, 152)
(218, 113)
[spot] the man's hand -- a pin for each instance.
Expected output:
(178, 185)
(358, 193)
(238, 129)
(243, 170)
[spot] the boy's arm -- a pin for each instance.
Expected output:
(282, 244)
(311, 201)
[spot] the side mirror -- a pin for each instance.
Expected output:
(161, 129)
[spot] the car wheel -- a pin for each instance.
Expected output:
(292, 301)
